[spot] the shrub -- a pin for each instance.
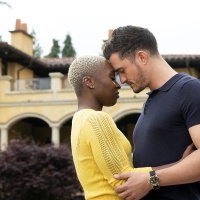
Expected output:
(33, 172)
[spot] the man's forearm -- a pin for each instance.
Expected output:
(164, 166)
(185, 171)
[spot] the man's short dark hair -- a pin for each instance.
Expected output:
(127, 40)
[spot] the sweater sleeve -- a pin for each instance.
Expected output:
(106, 143)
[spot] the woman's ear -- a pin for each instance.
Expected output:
(87, 80)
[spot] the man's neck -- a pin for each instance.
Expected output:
(162, 72)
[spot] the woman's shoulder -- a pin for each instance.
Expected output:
(101, 114)
(93, 114)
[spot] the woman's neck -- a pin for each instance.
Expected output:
(89, 103)
(89, 106)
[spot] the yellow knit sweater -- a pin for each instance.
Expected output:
(99, 151)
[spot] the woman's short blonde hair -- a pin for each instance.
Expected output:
(84, 66)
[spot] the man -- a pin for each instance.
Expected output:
(169, 122)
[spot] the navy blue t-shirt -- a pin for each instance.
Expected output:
(161, 133)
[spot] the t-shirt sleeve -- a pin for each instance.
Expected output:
(105, 142)
(190, 102)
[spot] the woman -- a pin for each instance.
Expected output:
(99, 149)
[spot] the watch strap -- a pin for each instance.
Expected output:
(152, 173)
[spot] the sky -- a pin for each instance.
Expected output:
(175, 23)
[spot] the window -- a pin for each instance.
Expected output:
(4, 70)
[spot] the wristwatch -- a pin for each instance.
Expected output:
(154, 180)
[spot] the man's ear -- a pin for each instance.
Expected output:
(88, 81)
(142, 57)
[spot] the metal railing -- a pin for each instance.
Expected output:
(67, 85)
(32, 84)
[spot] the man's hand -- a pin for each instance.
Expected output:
(191, 148)
(135, 187)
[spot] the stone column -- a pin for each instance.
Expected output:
(55, 136)
(5, 84)
(4, 138)
(56, 83)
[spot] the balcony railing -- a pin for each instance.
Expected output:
(67, 85)
(32, 84)
(45, 84)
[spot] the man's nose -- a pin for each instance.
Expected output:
(122, 79)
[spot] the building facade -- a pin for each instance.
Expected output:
(37, 101)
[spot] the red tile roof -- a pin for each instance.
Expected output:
(12, 54)
(173, 57)
(54, 62)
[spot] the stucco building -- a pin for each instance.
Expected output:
(36, 99)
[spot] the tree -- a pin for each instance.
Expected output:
(5, 3)
(55, 50)
(68, 49)
(37, 50)
(30, 171)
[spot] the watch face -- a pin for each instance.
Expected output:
(154, 180)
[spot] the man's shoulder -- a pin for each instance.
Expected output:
(186, 81)
(184, 78)
(189, 82)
